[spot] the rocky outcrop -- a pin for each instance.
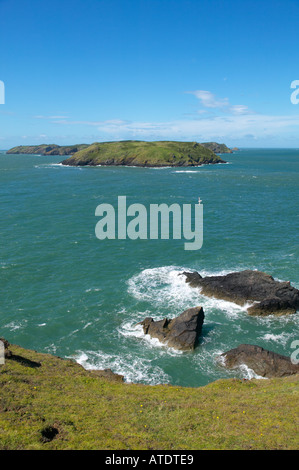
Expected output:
(264, 363)
(265, 295)
(107, 374)
(181, 332)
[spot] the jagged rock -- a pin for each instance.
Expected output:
(181, 332)
(262, 362)
(266, 295)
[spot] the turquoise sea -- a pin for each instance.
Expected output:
(65, 292)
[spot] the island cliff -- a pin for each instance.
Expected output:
(145, 154)
(218, 148)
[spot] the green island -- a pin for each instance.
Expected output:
(146, 154)
(132, 153)
(49, 403)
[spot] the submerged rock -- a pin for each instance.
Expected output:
(181, 332)
(262, 362)
(267, 295)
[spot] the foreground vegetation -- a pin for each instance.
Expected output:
(141, 153)
(51, 403)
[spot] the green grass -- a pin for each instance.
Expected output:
(59, 405)
(45, 149)
(140, 153)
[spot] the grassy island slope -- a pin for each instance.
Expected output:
(51, 403)
(140, 153)
(47, 149)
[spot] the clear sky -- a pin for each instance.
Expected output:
(97, 70)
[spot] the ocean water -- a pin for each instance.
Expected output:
(65, 292)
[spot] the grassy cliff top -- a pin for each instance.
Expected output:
(141, 153)
(51, 403)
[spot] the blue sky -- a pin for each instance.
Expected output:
(96, 70)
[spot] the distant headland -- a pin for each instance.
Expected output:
(132, 153)
(45, 149)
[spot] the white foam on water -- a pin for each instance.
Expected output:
(134, 369)
(282, 338)
(242, 370)
(158, 167)
(163, 287)
(52, 348)
(16, 325)
(55, 166)
(249, 373)
(229, 309)
(187, 171)
(166, 287)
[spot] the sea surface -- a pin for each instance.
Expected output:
(65, 292)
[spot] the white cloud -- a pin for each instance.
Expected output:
(209, 100)
(234, 127)
(239, 109)
(234, 123)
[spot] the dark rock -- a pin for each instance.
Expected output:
(181, 332)
(262, 362)
(266, 295)
(192, 278)
(108, 374)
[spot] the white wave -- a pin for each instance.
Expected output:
(158, 167)
(16, 325)
(242, 369)
(134, 369)
(281, 338)
(165, 287)
(52, 348)
(55, 166)
(249, 373)
(230, 309)
(186, 171)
